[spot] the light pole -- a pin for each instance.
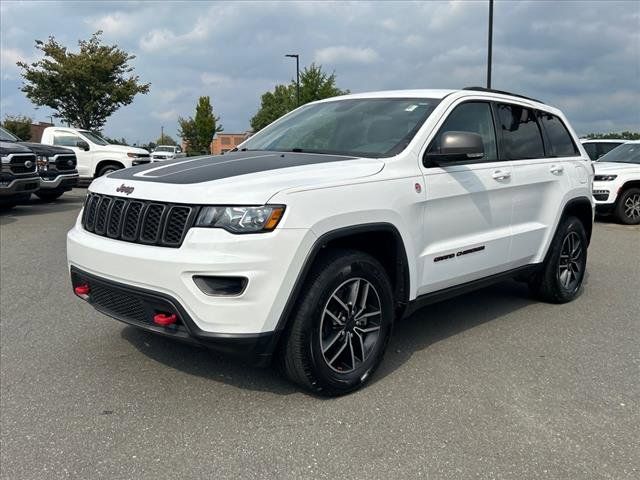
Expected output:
(490, 44)
(297, 57)
(162, 135)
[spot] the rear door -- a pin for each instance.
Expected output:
(467, 213)
(542, 170)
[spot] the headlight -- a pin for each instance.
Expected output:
(604, 178)
(241, 219)
(132, 155)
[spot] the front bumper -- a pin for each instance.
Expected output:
(19, 186)
(62, 181)
(605, 195)
(270, 262)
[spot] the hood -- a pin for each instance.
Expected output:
(613, 167)
(47, 150)
(234, 178)
(122, 149)
(7, 148)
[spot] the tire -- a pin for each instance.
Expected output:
(108, 169)
(323, 351)
(627, 209)
(560, 278)
(49, 196)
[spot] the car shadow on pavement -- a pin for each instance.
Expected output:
(35, 206)
(425, 327)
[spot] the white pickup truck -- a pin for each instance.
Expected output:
(96, 157)
(167, 152)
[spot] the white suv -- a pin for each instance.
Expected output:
(337, 220)
(616, 186)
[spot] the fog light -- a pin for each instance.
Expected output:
(221, 286)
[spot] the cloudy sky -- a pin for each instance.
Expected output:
(583, 57)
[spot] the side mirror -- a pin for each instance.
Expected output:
(458, 147)
(82, 145)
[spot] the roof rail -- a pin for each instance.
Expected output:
(482, 89)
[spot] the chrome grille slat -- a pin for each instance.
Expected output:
(138, 221)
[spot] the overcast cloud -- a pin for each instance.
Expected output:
(583, 57)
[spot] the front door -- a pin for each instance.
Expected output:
(468, 208)
(85, 158)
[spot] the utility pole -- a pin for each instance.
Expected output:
(162, 135)
(297, 57)
(490, 44)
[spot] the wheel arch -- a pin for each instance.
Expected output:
(580, 207)
(371, 238)
(629, 184)
(107, 161)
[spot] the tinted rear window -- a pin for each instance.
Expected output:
(521, 137)
(561, 142)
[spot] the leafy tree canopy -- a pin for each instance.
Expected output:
(19, 125)
(198, 131)
(165, 140)
(626, 135)
(315, 84)
(83, 88)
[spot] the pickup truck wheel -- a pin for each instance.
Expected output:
(562, 273)
(628, 207)
(108, 169)
(49, 196)
(341, 325)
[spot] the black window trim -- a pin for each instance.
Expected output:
(428, 163)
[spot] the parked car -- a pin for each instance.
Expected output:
(167, 152)
(597, 148)
(336, 220)
(96, 157)
(616, 186)
(56, 166)
(18, 174)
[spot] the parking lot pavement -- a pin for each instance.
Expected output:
(488, 385)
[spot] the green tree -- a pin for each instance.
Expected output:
(116, 141)
(83, 88)
(626, 135)
(198, 131)
(19, 125)
(165, 139)
(315, 84)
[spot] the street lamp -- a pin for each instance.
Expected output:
(297, 57)
(490, 44)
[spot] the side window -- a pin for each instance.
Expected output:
(592, 150)
(474, 117)
(559, 137)
(521, 137)
(65, 139)
(606, 147)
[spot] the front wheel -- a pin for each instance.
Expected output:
(107, 169)
(628, 207)
(560, 278)
(341, 326)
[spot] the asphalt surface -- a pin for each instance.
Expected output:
(488, 385)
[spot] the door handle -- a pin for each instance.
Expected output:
(556, 169)
(500, 175)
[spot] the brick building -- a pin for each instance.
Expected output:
(223, 142)
(37, 129)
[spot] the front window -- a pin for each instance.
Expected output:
(369, 127)
(625, 153)
(6, 136)
(94, 137)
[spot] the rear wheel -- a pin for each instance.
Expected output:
(628, 207)
(341, 326)
(562, 273)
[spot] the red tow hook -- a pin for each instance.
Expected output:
(164, 319)
(82, 290)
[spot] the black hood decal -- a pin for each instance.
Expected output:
(206, 169)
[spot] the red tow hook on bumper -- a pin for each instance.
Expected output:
(82, 290)
(164, 320)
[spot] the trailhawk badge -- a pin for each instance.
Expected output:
(125, 189)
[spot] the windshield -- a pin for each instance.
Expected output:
(6, 136)
(94, 137)
(164, 149)
(370, 127)
(625, 153)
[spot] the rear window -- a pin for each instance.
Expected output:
(561, 143)
(521, 137)
(592, 150)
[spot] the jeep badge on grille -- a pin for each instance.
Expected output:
(125, 189)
